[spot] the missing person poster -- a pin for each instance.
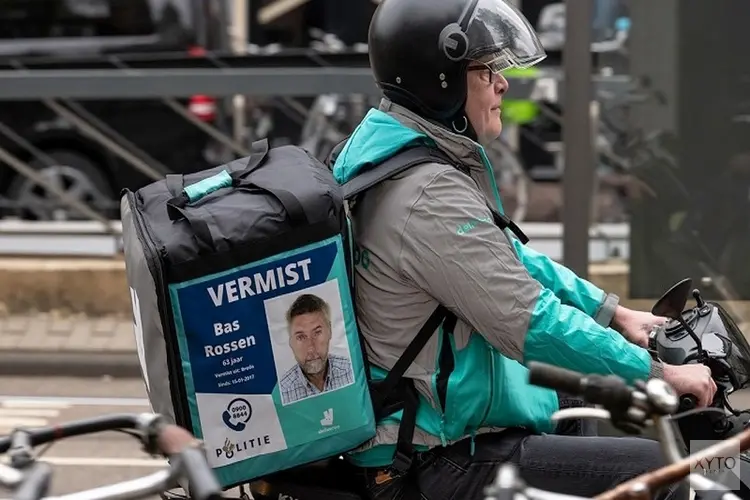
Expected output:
(272, 364)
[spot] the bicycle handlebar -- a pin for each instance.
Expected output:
(180, 447)
(630, 409)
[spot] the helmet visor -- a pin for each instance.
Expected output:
(501, 37)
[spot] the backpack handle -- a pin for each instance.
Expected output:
(196, 192)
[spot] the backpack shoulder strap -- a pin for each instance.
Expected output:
(400, 162)
(396, 393)
(504, 222)
(334, 153)
(382, 389)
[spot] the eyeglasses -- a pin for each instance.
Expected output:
(490, 76)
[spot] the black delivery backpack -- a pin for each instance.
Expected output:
(236, 274)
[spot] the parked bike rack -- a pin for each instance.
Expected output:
(294, 73)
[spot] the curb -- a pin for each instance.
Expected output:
(70, 364)
(98, 287)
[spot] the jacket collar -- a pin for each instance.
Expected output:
(457, 147)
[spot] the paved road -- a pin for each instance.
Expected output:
(88, 461)
(91, 461)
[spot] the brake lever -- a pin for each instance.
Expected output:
(580, 413)
(626, 423)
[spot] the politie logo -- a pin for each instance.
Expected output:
(228, 449)
(237, 414)
(247, 447)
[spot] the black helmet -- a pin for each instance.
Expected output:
(420, 49)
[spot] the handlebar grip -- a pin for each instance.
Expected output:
(202, 483)
(35, 482)
(177, 443)
(553, 377)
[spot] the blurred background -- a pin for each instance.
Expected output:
(652, 98)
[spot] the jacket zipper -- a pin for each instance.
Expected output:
(442, 395)
(493, 184)
(491, 174)
(491, 386)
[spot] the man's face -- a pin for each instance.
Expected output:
(309, 339)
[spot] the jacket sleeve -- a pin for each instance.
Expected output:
(451, 249)
(568, 287)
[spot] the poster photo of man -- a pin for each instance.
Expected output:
(309, 341)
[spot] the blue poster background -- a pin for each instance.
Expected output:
(297, 433)
(256, 372)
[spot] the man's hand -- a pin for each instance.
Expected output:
(635, 325)
(692, 379)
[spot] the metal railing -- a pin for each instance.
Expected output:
(94, 239)
(167, 77)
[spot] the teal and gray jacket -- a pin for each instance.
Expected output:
(426, 237)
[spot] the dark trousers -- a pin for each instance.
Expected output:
(573, 461)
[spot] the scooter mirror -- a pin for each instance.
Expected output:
(672, 303)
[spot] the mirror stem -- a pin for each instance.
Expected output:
(692, 334)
